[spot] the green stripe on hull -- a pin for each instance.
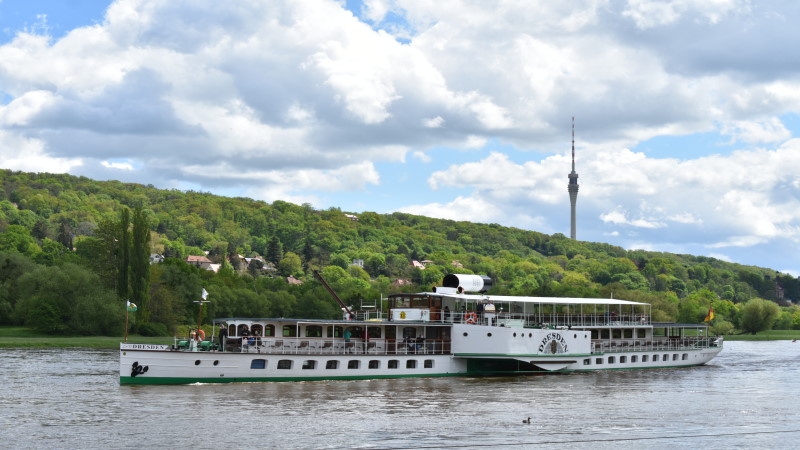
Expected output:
(523, 355)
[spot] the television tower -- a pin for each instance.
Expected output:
(572, 187)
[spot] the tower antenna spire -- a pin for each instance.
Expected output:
(573, 144)
(572, 187)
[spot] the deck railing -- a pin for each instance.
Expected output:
(338, 346)
(627, 345)
(539, 320)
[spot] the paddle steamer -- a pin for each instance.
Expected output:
(454, 330)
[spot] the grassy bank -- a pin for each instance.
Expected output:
(25, 337)
(772, 335)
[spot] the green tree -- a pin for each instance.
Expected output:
(759, 315)
(290, 265)
(274, 250)
(140, 262)
(124, 246)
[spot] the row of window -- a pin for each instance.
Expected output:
(635, 359)
(311, 364)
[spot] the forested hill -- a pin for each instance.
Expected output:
(71, 247)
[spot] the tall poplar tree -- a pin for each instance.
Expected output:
(140, 262)
(124, 253)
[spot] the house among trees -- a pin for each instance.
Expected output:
(199, 261)
(358, 262)
(352, 217)
(417, 265)
(292, 280)
(155, 258)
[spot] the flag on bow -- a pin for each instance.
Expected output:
(710, 315)
(132, 306)
(204, 294)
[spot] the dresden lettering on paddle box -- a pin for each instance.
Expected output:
(144, 347)
(553, 339)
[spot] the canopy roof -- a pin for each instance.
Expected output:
(539, 300)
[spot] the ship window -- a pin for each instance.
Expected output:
(285, 364)
(374, 364)
(623, 359)
(352, 364)
(269, 330)
(466, 334)
(374, 332)
(634, 358)
(428, 364)
(409, 332)
(309, 364)
(515, 334)
(258, 364)
(489, 334)
(640, 333)
(314, 331)
(332, 364)
(685, 357)
(411, 364)
(587, 361)
(216, 363)
(644, 358)
(665, 358)
(598, 361)
(289, 331)
(611, 360)
(675, 357)
(655, 358)
(197, 363)
(334, 331)
(393, 364)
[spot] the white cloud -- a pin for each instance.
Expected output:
(295, 100)
(434, 122)
(769, 130)
(117, 165)
(29, 155)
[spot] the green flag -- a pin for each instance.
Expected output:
(132, 306)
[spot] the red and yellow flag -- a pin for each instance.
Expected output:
(710, 315)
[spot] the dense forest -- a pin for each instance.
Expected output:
(74, 250)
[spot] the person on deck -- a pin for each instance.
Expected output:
(488, 312)
(347, 335)
(223, 336)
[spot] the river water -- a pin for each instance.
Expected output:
(748, 397)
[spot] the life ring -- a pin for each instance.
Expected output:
(200, 335)
(470, 317)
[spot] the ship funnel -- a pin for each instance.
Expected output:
(467, 283)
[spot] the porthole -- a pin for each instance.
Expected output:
(489, 334)
(466, 334)
(216, 363)
(575, 336)
(515, 334)
(530, 334)
(197, 363)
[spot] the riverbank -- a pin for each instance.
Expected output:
(21, 337)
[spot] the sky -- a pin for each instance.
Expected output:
(686, 113)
